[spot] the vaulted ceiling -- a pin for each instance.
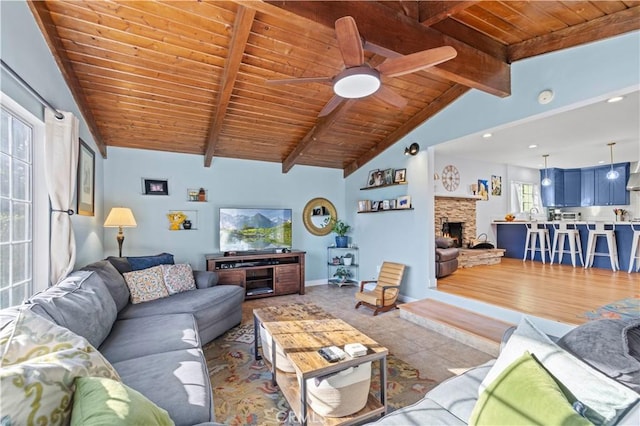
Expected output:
(191, 76)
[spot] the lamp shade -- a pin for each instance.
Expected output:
(120, 216)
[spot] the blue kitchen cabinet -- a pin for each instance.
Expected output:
(572, 190)
(587, 186)
(611, 192)
(552, 195)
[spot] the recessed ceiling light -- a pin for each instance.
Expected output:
(533, 145)
(487, 135)
(615, 99)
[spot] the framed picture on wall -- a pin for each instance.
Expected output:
(86, 176)
(155, 186)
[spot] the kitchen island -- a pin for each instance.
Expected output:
(512, 235)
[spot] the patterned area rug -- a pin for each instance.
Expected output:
(243, 394)
(622, 309)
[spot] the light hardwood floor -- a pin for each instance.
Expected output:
(558, 292)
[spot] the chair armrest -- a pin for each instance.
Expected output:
(387, 287)
(362, 283)
(205, 279)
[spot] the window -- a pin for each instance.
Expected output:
(524, 197)
(19, 225)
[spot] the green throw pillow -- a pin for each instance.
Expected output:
(99, 401)
(524, 393)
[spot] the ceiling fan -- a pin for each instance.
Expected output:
(359, 80)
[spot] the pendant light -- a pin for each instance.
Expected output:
(546, 181)
(612, 174)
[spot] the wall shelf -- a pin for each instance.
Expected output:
(385, 210)
(383, 186)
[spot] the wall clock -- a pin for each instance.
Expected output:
(450, 178)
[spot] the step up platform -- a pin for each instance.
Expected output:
(478, 331)
(469, 258)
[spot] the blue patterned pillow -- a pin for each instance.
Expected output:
(144, 262)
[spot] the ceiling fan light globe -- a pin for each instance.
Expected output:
(357, 82)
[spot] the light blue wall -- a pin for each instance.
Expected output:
(577, 76)
(23, 48)
(230, 183)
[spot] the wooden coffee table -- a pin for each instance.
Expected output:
(300, 330)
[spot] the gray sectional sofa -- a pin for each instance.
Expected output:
(155, 346)
(598, 361)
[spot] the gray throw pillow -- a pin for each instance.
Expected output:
(120, 263)
(603, 344)
(113, 280)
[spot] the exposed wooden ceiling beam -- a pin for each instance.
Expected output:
(239, 37)
(47, 27)
(596, 29)
(429, 111)
(473, 38)
(323, 124)
(432, 12)
(472, 67)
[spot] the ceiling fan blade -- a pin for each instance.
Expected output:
(331, 105)
(390, 97)
(395, 67)
(300, 80)
(349, 42)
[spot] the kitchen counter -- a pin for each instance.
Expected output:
(551, 222)
(512, 235)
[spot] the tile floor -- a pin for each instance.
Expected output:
(436, 356)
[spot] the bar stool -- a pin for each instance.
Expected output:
(562, 229)
(635, 253)
(598, 229)
(537, 231)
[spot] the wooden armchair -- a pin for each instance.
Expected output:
(383, 297)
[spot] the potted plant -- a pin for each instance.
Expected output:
(343, 274)
(347, 259)
(341, 229)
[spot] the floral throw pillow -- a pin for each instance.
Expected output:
(40, 361)
(146, 284)
(178, 278)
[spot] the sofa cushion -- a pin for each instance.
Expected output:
(177, 381)
(524, 393)
(136, 337)
(216, 309)
(146, 284)
(82, 303)
(178, 278)
(39, 363)
(113, 280)
(143, 262)
(604, 398)
(603, 344)
(100, 401)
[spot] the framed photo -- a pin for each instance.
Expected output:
(400, 176)
(86, 176)
(386, 205)
(364, 205)
(371, 180)
(496, 185)
(483, 189)
(375, 205)
(388, 177)
(156, 187)
(404, 202)
(392, 204)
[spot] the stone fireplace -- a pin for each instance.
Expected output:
(453, 230)
(459, 211)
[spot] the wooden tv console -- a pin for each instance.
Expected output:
(260, 274)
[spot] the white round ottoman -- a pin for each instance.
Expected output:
(341, 394)
(282, 362)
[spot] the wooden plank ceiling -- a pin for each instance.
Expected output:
(189, 76)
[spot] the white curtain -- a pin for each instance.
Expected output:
(61, 153)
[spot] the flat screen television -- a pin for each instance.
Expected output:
(245, 229)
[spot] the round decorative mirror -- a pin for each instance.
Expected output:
(317, 214)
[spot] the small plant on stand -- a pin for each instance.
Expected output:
(347, 259)
(341, 229)
(343, 274)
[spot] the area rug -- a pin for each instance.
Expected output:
(622, 309)
(243, 393)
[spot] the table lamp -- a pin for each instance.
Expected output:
(120, 217)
